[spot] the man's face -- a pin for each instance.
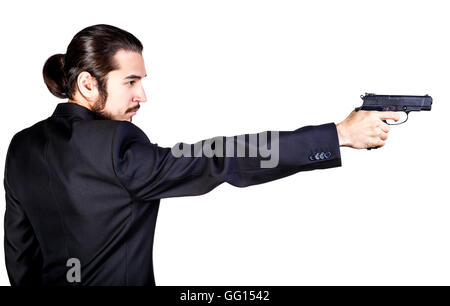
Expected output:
(124, 87)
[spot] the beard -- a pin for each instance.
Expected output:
(99, 108)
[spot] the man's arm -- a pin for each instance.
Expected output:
(152, 172)
(22, 252)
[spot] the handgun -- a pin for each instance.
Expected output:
(395, 103)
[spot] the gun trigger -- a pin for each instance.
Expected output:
(407, 116)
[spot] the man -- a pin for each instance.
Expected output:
(83, 187)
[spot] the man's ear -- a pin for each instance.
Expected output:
(87, 86)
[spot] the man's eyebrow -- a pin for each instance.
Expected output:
(134, 76)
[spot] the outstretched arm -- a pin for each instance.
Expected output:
(152, 172)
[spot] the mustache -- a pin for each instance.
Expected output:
(133, 109)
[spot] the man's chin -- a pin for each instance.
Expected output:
(132, 114)
(129, 119)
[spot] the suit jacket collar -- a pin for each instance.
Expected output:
(70, 109)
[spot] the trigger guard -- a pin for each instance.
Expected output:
(407, 116)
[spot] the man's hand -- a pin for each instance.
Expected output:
(365, 129)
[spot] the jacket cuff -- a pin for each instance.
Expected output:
(316, 147)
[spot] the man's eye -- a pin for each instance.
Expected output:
(130, 82)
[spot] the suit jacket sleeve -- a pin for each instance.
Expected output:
(151, 172)
(22, 252)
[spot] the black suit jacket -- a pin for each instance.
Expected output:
(79, 186)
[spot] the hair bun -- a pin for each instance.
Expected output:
(54, 77)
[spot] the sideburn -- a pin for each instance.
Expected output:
(100, 104)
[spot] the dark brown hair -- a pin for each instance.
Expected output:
(92, 50)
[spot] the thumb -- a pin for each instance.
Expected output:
(389, 115)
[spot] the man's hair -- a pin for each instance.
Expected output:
(92, 50)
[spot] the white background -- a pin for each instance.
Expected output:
(233, 67)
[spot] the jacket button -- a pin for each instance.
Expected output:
(317, 156)
(327, 155)
(321, 156)
(311, 157)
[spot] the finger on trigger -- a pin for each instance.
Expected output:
(389, 115)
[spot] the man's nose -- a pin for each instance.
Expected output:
(141, 95)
